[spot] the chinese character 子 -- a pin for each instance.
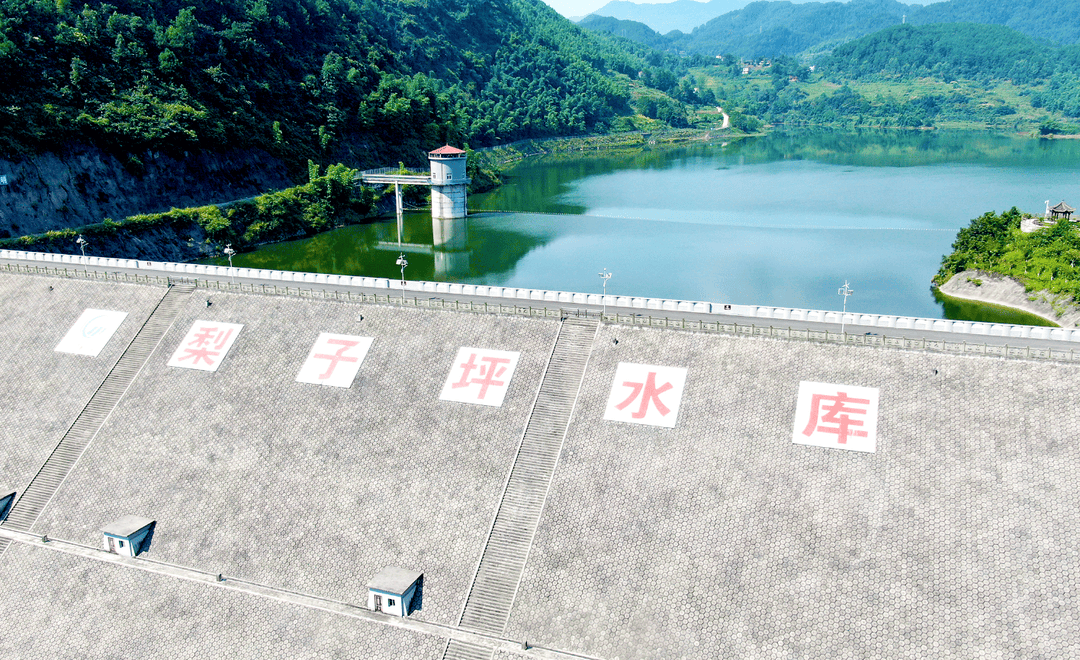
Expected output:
(338, 356)
(495, 368)
(654, 396)
(345, 354)
(836, 416)
(650, 393)
(479, 375)
(837, 413)
(206, 344)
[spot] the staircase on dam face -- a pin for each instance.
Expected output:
(55, 469)
(487, 608)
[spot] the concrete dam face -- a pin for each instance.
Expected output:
(601, 489)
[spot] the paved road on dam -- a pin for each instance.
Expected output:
(595, 310)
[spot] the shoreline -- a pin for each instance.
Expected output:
(1007, 292)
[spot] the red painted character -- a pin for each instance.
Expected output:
(836, 413)
(336, 357)
(494, 368)
(649, 393)
(206, 338)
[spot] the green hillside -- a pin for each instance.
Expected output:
(769, 28)
(303, 78)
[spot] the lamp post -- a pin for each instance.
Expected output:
(81, 242)
(844, 291)
(403, 263)
(229, 252)
(605, 276)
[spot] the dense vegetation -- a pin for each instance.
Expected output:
(304, 78)
(768, 29)
(1044, 260)
(329, 199)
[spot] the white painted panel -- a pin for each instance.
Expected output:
(454, 288)
(580, 299)
(480, 376)
(334, 360)
(637, 303)
(653, 303)
(669, 305)
(886, 321)
(702, 307)
(646, 394)
(205, 345)
(592, 299)
(685, 307)
(980, 329)
(836, 416)
(91, 332)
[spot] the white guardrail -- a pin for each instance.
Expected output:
(874, 321)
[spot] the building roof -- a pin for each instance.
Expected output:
(447, 151)
(1062, 207)
(394, 580)
(126, 526)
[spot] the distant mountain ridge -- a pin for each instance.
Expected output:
(770, 28)
(682, 15)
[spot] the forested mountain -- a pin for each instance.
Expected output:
(949, 52)
(632, 30)
(770, 28)
(302, 78)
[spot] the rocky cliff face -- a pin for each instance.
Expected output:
(84, 185)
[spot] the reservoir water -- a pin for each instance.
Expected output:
(780, 220)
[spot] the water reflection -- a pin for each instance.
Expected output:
(437, 250)
(781, 220)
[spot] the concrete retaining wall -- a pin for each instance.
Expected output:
(862, 322)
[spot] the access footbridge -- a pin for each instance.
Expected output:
(1003, 340)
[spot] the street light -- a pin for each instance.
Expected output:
(229, 252)
(604, 276)
(844, 291)
(81, 242)
(403, 263)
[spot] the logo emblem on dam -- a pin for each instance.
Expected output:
(91, 332)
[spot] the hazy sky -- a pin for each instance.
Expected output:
(583, 7)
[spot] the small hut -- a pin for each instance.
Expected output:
(1062, 210)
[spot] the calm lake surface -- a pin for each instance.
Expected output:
(780, 220)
